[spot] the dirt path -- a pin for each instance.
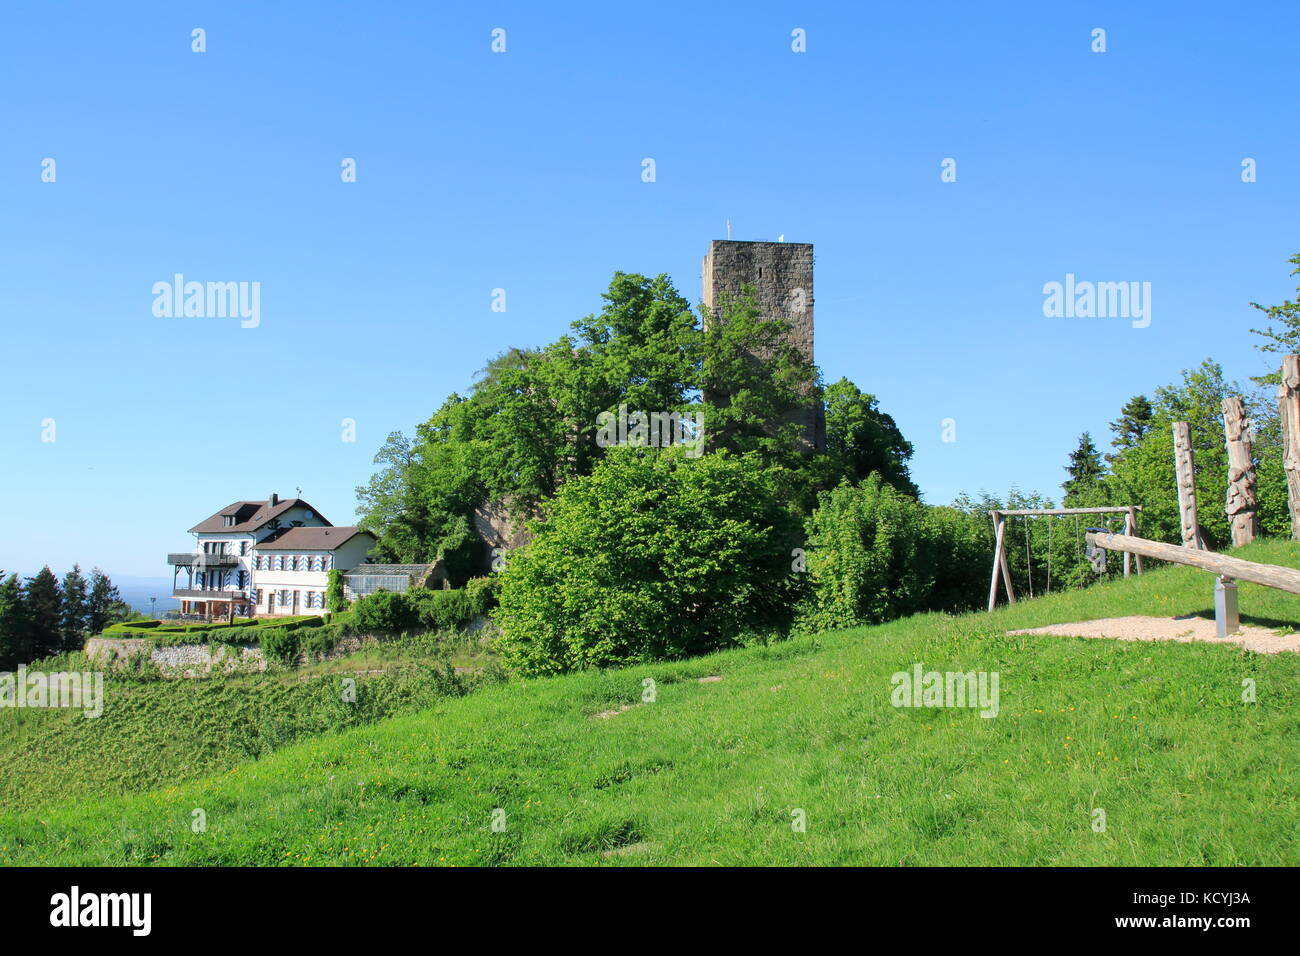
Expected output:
(1185, 629)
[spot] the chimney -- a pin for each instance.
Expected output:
(275, 499)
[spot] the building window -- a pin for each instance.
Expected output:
(243, 548)
(329, 562)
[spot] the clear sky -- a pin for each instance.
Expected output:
(523, 171)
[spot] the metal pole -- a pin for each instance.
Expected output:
(1227, 619)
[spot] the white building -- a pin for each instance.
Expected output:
(264, 557)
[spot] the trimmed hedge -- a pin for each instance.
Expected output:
(237, 632)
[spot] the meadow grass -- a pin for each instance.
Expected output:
(1156, 735)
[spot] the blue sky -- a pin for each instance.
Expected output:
(522, 171)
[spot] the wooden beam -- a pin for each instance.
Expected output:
(1185, 475)
(1288, 407)
(1242, 505)
(1270, 575)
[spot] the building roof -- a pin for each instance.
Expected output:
(411, 569)
(250, 515)
(311, 539)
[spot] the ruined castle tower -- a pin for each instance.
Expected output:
(781, 275)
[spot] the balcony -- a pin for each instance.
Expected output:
(187, 560)
(201, 594)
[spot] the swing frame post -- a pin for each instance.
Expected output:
(1000, 564)
(1000, 560)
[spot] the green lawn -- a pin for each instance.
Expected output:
(1156, 735)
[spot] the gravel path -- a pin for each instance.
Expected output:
(1186, 629)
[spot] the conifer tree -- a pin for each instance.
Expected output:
(43, 603)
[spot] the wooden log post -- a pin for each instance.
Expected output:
(1242, 505)
(1185, 475)
(1288, 407)
(1132, 525)
(999, 531)
(1128, 529)
(1000, 561)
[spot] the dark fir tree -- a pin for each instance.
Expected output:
(44, 611)
(1085, 470)
(76, 609)
(1134, 421)
(15, 647)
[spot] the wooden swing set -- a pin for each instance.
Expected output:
(1000, 543)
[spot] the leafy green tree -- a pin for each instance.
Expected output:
(654, 555)
(390, 505)
(1281, 339)
(530, 423)
(104, 604)
(1085, 470)
(15, 642)
(861, 439)
(1144, 474)
(750, 405)
(75, 610)
(43, 603)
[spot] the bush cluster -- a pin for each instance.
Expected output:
(387, 612)
(874, 554)
(654, 555)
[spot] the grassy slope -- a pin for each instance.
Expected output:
(155, 733)
(1155, 734)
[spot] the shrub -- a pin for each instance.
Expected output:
(442, 610)
(385, 612)
(483, 593)
(319, 641)
(875, 554)
(280, 644)
(652, 556)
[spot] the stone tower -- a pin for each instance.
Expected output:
(781, 274)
